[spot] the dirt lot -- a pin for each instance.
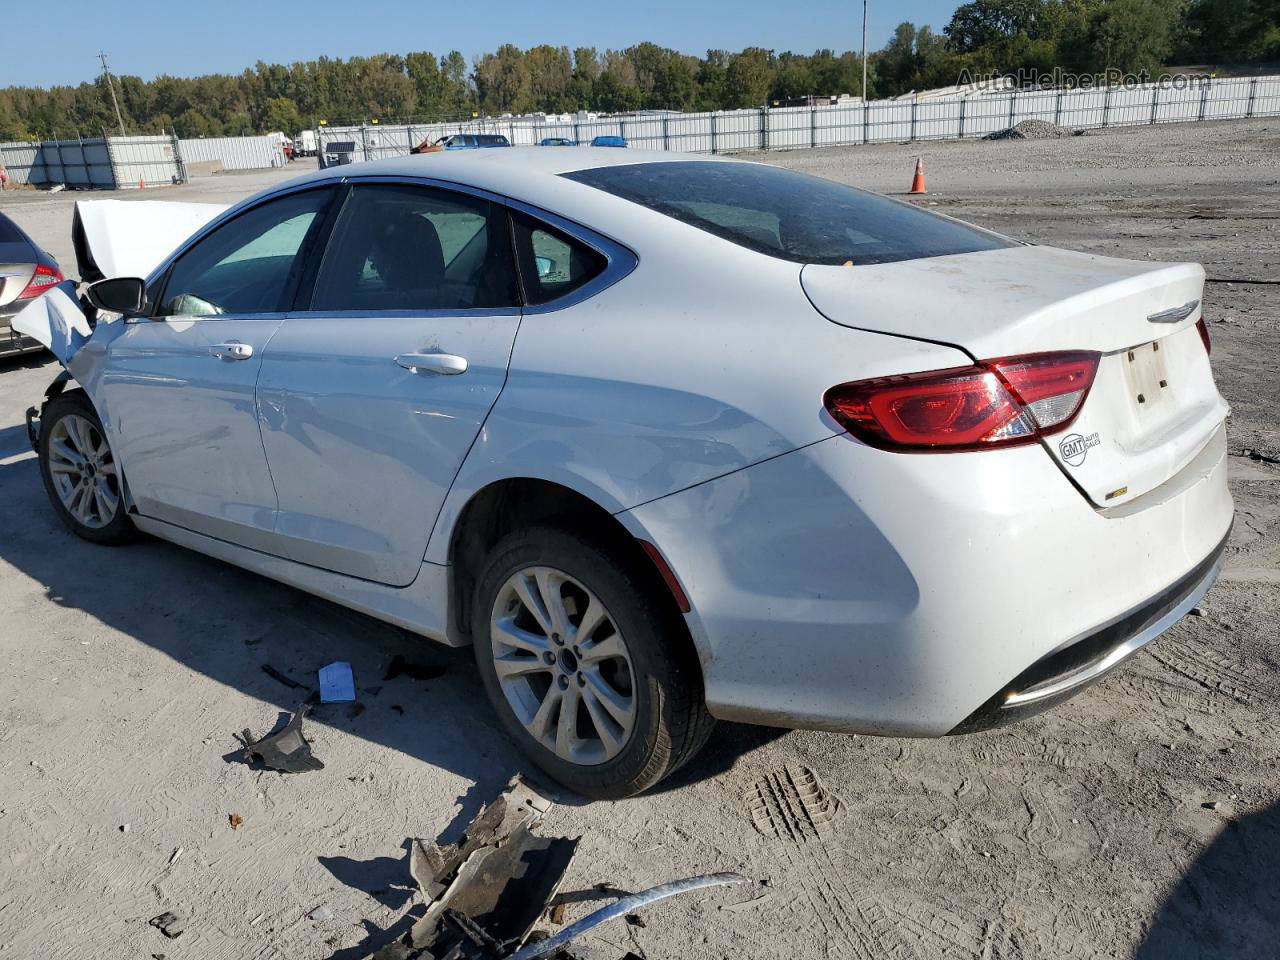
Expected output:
(1140, 819)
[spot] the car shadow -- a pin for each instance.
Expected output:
(231, 626)
(1227, 905)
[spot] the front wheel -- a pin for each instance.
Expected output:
(80, 472)
(589, 672)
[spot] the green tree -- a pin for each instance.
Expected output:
(748, 78)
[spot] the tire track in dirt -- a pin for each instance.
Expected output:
(792, 808)
(1214, 671)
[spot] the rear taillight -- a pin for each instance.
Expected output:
(995, 403)
(41, 280)
(1204, 335)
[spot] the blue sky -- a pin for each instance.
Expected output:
(191, 37)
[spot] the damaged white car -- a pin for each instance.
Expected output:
(663, 438)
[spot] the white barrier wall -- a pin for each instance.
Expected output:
(234, 153)
(880, 121)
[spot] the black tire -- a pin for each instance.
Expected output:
(120, 528)
(671, 720)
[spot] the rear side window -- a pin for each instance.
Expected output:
(398, 247)
(552, 264)
(789, 215)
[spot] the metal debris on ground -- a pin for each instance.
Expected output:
(168, 923)
(275, 674)
(337, 685)
(287, 751)
(626, 905)
(485, 893)
(400, 667)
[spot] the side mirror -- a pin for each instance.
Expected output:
(126, 295)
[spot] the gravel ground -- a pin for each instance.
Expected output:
(1141, 819)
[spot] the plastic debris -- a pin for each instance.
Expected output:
(320, 914)
(337, 685)
(287, 751)
(168, 923)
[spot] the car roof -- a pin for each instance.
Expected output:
(526, 174)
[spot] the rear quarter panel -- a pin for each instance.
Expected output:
(706, 359)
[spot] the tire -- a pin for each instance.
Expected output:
(69, 426)
(632, 676)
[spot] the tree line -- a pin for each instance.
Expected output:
(983, 37)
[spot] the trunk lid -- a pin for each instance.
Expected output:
(1153, 405)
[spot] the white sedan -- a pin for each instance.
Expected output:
(665, 439)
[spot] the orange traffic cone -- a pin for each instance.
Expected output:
(917, 182)
(142, 184)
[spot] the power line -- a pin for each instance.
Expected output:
(110, 86)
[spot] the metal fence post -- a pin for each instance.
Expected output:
(1253, 91)
(713, 130)
(866, 119)
(1013, 106)
(178, 162)
(1204, 96)
(1155, 101)
(813, 126)
(915, 101)
(764, 128)
(364, 142)
(666, 132)
(577, 136)
(960, 133)
(1057, 110)
(1106, 105)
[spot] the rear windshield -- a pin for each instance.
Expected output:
(789, 215)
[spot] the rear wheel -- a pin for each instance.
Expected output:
(80, 472)
(588, 670)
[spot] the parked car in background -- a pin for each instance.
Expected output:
(473, 141)
(26, 272)
(609, 141)
(526, 401)
(557, 142)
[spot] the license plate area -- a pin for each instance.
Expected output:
(1146, 376)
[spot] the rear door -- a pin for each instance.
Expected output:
(373, 391)
(179, 386)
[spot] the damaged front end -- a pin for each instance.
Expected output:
(112, 239)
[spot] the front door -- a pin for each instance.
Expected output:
(180, 385)
(372, 396)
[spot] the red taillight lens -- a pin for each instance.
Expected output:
(992, 404)
(1204, 335)
(41, 280)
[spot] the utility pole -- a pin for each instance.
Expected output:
(864, 53)
(115, 103)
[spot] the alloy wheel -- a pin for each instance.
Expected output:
(83, 471)
(563, 666)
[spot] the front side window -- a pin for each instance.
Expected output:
(399, 247)
(246, 265)
(552, 264)
(789, 215)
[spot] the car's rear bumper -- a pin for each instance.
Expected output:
(841, 587)
(12, 343)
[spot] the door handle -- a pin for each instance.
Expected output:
(232, 351)
(442, 363)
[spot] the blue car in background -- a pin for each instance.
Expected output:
(473, 141)
(609, 141)
(557, 142)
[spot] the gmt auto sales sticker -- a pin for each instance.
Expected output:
(1075, 447)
